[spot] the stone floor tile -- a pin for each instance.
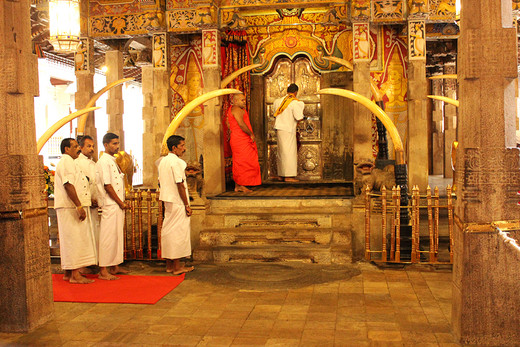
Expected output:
(242, 315)
(157, 329)
(418, 337)
(312, 324)
(240, 307)
(322, 309)
(183, 340)
(321, 316)
(294, 308)
(352, 317)
(382, 326)
(318, 335)
(217, 341)
(282, 342)
(249, 341)
(384, 335)
(151, 339)
(445, 337)
(286, 333)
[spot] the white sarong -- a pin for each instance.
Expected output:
(175, 233)
(77, 245)
(111, 236)
(94, 216)
(287, 158)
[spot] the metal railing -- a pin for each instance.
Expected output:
(143, 223)
(387, 205)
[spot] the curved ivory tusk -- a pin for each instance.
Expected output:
(378, 112)
(445, 99)
(340, 61)
(56, 126)
(83, 120)
(186, 110)
(439, 77)
(237, 73)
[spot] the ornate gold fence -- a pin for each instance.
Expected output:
(143, 222)
(424, 248)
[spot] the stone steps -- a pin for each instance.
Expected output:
(276, 230)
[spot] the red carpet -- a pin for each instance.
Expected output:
(127, 290)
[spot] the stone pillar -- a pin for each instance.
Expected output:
(156, 107)
(486, 300)
(437, 127)
(361, 84)
(26, 299)
(115, 104)
(417, 105)
(84, 62)
(213, 151)
(450, 118)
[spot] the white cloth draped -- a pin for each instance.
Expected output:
(111, 238)
(287, 155)
(175, 233)
(77, 245)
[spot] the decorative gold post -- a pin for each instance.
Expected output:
(436, 225)
(398, 226)
(450, 220)
(149, 224)
(395, 215)
(414, 224)
(367, 223)
(383, 223)
(140, 223)
(430, 223)
(125, 229)
(159, 225)
(133, 202)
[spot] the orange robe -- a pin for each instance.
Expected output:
(246, 170)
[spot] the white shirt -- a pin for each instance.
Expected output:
(67, 171)
(107, 172)
(172, 171)
(88, 166)
(288, 119)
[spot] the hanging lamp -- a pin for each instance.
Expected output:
(64, 25)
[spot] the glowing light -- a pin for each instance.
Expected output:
(457, 8)
(104, 68)
(64, 25)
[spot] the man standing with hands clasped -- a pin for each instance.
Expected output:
(111, 199)
(175, 233)
(72, 201)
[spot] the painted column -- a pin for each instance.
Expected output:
(485, 296)
(213, 153)
(115, 105)
(84, 65)
(26, 299)
(156, 106)
(361, 84)
(417, 105)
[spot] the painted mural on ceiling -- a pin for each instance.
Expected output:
(186, 84)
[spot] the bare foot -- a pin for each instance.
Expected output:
(85, 271)
(118, 270)
(277, 178)
(81, 280)
(171, 269)
(291, 179)
(239, 188)
(183, 270)
(108, 277)
(66, 276)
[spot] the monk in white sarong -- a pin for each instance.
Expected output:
(111, 199)
(71, 202)
(289, 111)
(175, 232)
(88, 166)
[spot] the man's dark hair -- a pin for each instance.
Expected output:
(66, 143)
(109, 137)
(173, 141)
(293, 88)
(81, 139)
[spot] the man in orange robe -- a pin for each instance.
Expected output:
(246, 170)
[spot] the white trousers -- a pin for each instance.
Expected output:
(175, 233)
(111, 238)
(77, 245)
(287, 158)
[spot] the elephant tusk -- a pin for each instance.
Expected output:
(56, 126)
(439, 77)
(83, 120)
(186, 110)
(237, 73)
(445, 99)
(340, 61)
(378, 112)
